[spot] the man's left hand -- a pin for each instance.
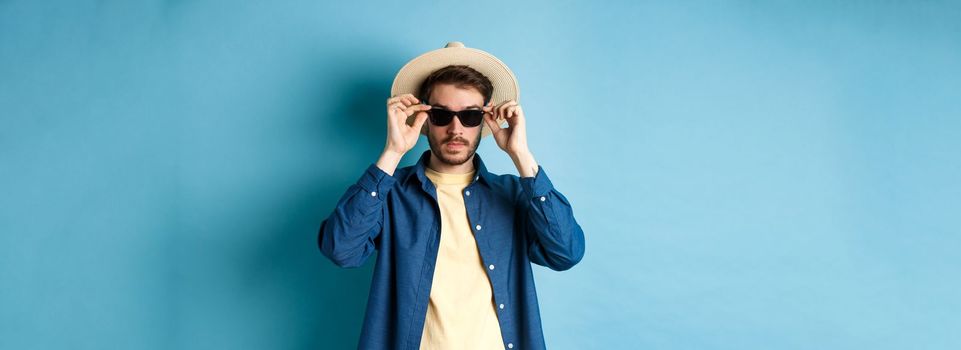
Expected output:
(513, 138)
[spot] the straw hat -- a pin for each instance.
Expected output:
(413, 74)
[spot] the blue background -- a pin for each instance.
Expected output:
(749, 174)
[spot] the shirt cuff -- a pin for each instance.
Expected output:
(375, 181)
(538, 185)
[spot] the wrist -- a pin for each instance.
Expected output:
(389, 160)
(392, 152)
(519, 153)
(525, 163)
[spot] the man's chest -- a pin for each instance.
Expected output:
(418, 218)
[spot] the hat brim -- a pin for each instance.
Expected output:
(413, 74)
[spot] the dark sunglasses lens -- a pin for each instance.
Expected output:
(471, 117)
(440, 117)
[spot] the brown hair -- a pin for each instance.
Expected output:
(460, 76)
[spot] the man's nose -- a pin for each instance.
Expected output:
(455, 127)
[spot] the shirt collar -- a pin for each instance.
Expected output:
(418, 171)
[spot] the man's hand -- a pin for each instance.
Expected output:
(400, 136)
(513, 138)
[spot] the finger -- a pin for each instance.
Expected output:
(404, 107)
(503, 106)
(409, 96)
(502, 109)
(498, 106)
(397, 98)
(397, 115)
(488, 107)
(410, 99)
(401, 98)
(408, 111)
(492, 123)
(512, 109)
(398, 106)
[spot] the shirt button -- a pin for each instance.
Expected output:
(373, 194)
(468, 193)
(510, 345)
(543, 198)
(502, 306)
(478, 227)
(491, 267)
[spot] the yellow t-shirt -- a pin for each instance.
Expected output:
(461, 313)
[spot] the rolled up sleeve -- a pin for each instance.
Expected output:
(555, 239)
(347, 236)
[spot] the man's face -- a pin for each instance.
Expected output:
(454, 144)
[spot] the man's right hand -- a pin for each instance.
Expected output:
(400, 136)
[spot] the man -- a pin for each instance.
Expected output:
(454, 241)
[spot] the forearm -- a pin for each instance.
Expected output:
(525, 163)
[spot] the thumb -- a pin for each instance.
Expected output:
(419, 120)
(491, 123)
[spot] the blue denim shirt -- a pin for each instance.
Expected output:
(516, 221)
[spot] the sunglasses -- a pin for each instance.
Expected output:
(468, 117)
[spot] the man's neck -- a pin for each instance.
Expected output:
(442, 167)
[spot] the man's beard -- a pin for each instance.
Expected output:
(440, 152)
